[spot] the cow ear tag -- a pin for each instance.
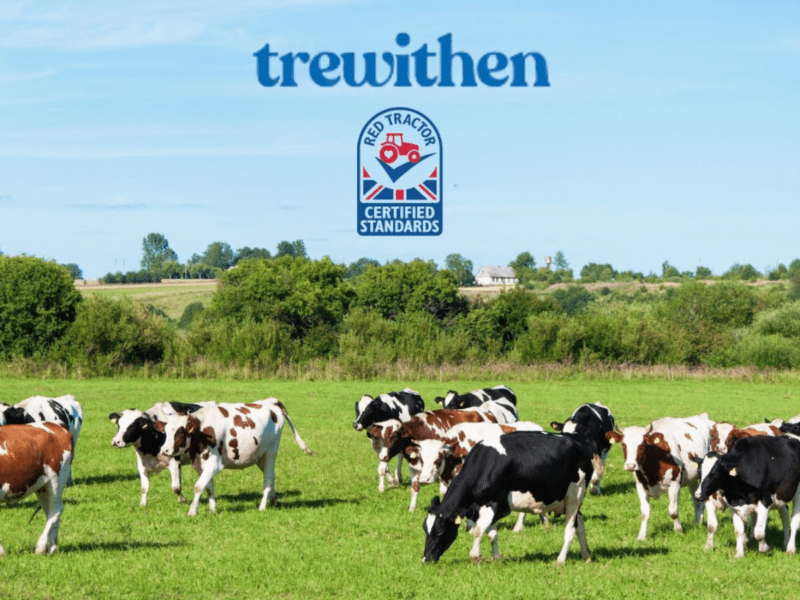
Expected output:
(657, 440)
(612, 441)
(733, 472)
(457, 520)
(145, 426)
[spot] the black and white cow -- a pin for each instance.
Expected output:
(388, 407)
(145, 432)
(453, 399)
(553, 469)
(593, 420)
(756, 475)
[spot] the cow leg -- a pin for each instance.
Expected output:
(382, 468)
(644, 508)
(414, 474)
(760, 531)
(267, 465)
(698, 506)
(398, 473)
(738, 529)
(144, 478)
(572, 505)
(711, 517)
(52, 506)
(208, 469)
(795, 522)
(674, 492)
(520, 522)
(175, 477)
(784, 513)
(485, 519)
(597, 477)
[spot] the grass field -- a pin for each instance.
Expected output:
(172, 298)
(334, 536)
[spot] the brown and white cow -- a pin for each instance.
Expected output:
(232, 436)
(393, 437)
(36, 458)
(661, 457)
(723, 435)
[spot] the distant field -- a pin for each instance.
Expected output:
(172, 297)
(334, 536)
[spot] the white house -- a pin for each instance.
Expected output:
(496, 276)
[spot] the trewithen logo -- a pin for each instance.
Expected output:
(399, 175)
(425, 68)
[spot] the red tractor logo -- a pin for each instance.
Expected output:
(394, 146)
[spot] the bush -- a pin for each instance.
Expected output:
(573, 299)
(366, 343)
(784, 322)
(111, 334)
(297, 292)
(38, 303)
(248, 343)
(761, 351)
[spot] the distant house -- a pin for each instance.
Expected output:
(496, 276)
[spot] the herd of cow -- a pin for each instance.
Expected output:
(489, 463)
(486, 460)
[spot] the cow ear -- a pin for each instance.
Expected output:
(613, 437)
(556, 425)
(114, 417)
(435, 502)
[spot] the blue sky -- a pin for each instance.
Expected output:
(671, 131)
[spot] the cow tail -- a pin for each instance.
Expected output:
(297, 437)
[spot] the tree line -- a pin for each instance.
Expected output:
(270, 313)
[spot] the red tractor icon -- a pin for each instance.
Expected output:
(394, 146)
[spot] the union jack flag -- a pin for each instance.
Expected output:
(427, 190)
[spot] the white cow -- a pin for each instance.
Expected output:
(232, 436)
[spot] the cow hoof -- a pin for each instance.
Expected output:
(476, 559)
(588, 560)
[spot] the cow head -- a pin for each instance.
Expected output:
(129, 424)
(441, 530)
(792, 429)
(427, 458)
(450, 400)
(722, 436)
(179, 432)
(634, 441)
(364, 413)
(713, 472)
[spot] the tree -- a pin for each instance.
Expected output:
(155, 252)
(218, 254)
(703, 273)
(360, 266)
(74, 270)
(593, 272)
(38, 303)
(560, 261)
(297, 292)
(296, 249)
(742, 273)
(400, 287)
(523, 260)
(460, 267)
(667, 270)
(247, 252)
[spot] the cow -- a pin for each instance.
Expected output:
(37, 458)
(660, 457)
(593, 420)
(502, 410)
(723, 435)
(145, 432)
(232, 436)
(758, 474)
(392, 406)
(553, 469)
(442, 458)
(396, 439)
(475, 398)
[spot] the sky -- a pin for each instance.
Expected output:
(669, 132)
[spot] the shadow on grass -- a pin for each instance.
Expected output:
(123, 546)
(620, 487)
(245, 501)
(597, 554)
(106, 478)
(534, 521)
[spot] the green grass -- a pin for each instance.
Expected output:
(334, 536)
(171, 298)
